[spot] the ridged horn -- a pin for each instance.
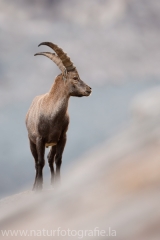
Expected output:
(54, 58)
(61, 54)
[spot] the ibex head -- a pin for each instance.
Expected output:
(74, 85)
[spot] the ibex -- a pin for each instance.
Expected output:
(47, 119)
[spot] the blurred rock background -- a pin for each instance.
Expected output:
(114, 189)
(114, 45)
(112, 158)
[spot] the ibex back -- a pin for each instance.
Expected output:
(47, 119)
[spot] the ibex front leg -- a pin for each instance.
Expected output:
(40, 145)
(35, 155)
(59, 152)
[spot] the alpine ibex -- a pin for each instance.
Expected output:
(47, 119)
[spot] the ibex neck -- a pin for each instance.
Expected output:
(58, 89)
(58, 95)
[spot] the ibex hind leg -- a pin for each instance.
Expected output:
(50, 157)
(35, 155)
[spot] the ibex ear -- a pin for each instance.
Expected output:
(64, 74)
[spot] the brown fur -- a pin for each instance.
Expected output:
(47, 122)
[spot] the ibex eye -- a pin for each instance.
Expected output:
(75, 78)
